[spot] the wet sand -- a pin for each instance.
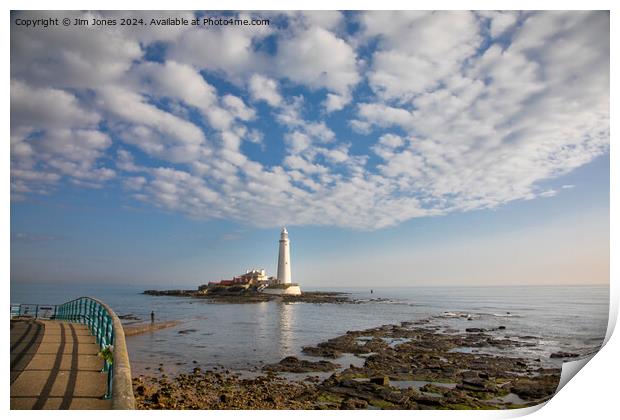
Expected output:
(145, 327)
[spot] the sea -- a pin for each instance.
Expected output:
(244, 337)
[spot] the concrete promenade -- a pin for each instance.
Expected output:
(54, 365)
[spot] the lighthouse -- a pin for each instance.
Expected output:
(283, 284)
(284, 259)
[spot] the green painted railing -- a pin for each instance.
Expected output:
(106, 327)
(99, 319)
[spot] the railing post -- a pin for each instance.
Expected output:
(108, 331)
(92, 317)
(104, 332)
(83, 311)
(111, 338)
(99, 323)
(87, 314)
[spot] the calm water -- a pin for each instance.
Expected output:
(242, 336)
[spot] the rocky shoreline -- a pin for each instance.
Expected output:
(413, 365)
(256, 297)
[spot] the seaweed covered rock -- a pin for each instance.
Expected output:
(293, 364)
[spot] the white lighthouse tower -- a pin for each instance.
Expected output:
(284, 259)
(283, 284)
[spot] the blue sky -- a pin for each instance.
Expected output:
(399, 149)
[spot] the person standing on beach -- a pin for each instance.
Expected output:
(152, 317)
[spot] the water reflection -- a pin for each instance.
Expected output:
(284, 331)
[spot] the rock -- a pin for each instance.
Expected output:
(427, 400)
(477, 384)
(353, 404)
(563, 355)
(187, 331)
(293, 364)
(140, 390)
(474, 330)
(324, 351)
(535, 388)
(155, 398)
(380, 380)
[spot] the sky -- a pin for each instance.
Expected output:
(398, 148)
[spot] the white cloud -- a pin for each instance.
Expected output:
(237, 108)
(417, 49)
(53, 135)
(225, 50)
(317, 58)
(512, 119)
(334, 102)
(500, 22)
(328, 19)
(134, 183)
(265, 89)
(155, 131)
(255, 136)
(46, 108)
(71, 56)
(453, 120)
(177, 80)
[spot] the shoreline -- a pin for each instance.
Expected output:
(145, 327)
(256, 297)
(411, 365)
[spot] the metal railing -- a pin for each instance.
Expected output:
(95, 315)
(107, 329)
(33, 310)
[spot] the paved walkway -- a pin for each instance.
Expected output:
(54, 365)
